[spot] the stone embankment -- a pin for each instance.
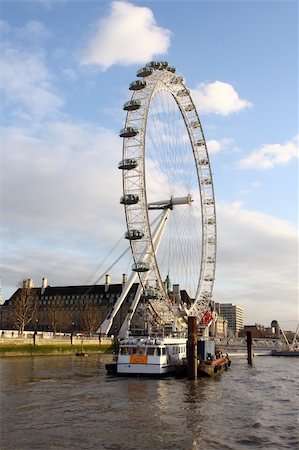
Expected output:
(41, 345)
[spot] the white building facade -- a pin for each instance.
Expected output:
(234, 315)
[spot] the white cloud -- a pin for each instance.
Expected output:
(60, 209)
(33, 30)
(217, 146)
(219, 98)
(257, 264)
(26, 82)
(129, 35)
(70, 74)
(271, 155)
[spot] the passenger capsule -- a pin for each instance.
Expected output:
(134, 235)
(204, 162)
(211, 221)
(200, 143)
(183, 93)
(150, 294)
(210, 259)
(129, 199)
(209, 201)
(137, 85)
(171, 69)
(128, 132)
(128, 164)
(154, 64)
(141, 267)
(145, 71)
(132, 105)
(208, 278)
(190, 107)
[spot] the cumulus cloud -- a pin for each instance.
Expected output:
(257, 263)
(60, 209)
(33, 30)
(219, 98)
(128, 35)
(217, 146)
(26, 82)
(271, 155)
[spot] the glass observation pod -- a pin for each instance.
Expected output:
(177, 80)
(211, 221)
(127, 164)
(208, 278)
(207, 181)
(183, 92)
(190, 107)
(171, 69)
(210, 259)
(195, 124)
(150, 293)
(200, 143)
(211, 240)
(145, 71)
(141, 267)
(209, 201)
(158, 65)
(128, 132)
(134, 235)
(137, 85)
(129, 199)
(163, 65)
(132, 105)
(204, 162)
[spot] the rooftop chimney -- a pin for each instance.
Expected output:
(107, 282)
(44, 285)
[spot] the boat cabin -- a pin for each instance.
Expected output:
(146, 356)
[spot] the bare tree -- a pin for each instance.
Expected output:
(58, 317)
(90, 315)
(24, 308)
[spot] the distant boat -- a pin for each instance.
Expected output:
(291, 348)
(285, 352)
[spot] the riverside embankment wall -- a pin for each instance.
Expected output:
(52, 346)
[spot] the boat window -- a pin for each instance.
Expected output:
(158, 351)
(141, 350)
(151, 351)
(124, 350)
(163, 351)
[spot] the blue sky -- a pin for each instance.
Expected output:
(65, 71)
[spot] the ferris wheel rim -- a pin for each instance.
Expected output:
(135, 194)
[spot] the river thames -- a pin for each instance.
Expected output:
(68, 402)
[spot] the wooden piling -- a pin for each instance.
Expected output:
(192, 348)
(249, 347)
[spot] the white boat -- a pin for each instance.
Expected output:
(149, 356)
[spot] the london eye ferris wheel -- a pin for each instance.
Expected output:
(168, 193)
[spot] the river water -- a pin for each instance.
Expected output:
(68, 402)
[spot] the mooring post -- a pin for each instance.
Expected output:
(249, 347)
(192, 348)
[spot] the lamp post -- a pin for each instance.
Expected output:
(72, 334)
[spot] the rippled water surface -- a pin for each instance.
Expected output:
(68, 402)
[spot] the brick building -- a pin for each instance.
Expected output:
(68, 309)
